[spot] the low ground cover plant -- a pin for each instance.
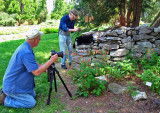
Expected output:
(85, 80)
(149, 62)
(154, 79)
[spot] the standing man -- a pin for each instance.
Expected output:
(18, 81)
(66, 26)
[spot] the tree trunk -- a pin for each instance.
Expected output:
(156, 21)
(130, 9)
(137, 12)
(121, 15)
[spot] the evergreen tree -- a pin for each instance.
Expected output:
(28, 10)
(2, 6)
(61, 8)
(127, 11)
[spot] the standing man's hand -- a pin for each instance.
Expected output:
(77, 29)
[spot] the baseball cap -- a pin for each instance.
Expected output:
(33, 33)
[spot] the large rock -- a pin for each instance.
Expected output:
(110, 47)
(116, 89)
(157, 30)
(84, 47)
(145, 44)
(145, 30)
(110, 33)
(119, 32)
(138, 49)
(113, 38)
(118, 58)
(127, 45)
(157, 43)
(119, 53)
(123, 36)
(128, 39)
(142, 37)
(139, 96)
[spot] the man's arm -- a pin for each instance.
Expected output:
(64, 27)
(74, 30)
(45, 66)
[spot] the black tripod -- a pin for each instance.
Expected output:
(51, 75)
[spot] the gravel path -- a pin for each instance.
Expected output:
(4, 38)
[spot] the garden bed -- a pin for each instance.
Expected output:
(108, 102)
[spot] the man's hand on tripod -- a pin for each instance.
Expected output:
(53, 58)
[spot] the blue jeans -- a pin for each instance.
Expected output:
(65, 41)
(20, 100)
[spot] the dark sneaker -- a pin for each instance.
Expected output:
(63, 67)
(70, 63)
(2, 97)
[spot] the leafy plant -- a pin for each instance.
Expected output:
(120, 69)
(7, 20)
(61, 8)
(86, 82)
(47, 30)
(148, 59)
(131, 89)
(149, 76)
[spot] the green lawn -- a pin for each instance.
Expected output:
(42, 52)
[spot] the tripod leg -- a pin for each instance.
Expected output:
(63, 82)
(50, 89)
(54, 81)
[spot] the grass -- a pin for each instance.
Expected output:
(42, 52)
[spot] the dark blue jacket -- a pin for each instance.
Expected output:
(66, 23)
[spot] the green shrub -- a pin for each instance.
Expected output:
(47, 30)
(120, 69)
(131, 89)
(149, 76)
(86, 82)
(7, 20)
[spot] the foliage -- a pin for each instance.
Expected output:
(94, 8)
(7, 20)
(125, 12)
(131, 89)
(61, 8)
(2, 6)
(46, 27)
(29, 10)
(149, 76)
(47, 30)
(149, 10)
(86, 82)
(120, 69)
(150, 63)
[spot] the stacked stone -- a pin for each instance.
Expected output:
(118, 43)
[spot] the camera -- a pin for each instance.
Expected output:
(60, 54)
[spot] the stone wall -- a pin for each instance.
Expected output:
(118, 43)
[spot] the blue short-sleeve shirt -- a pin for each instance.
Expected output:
(18, 78)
